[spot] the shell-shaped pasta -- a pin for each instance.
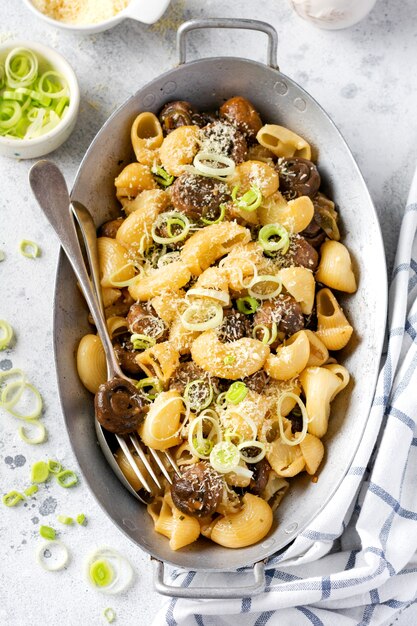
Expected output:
(333, 328)
(181, 529)
(290, 359)
(169, 304)
(342, 373)
(294, 215)
(318, 351)
(110, 296)
(135, 231)
(238, 480)
(133, 179)
(161, 427)
(320, 386)
(244, 356)
(211, 243)
(116, 324)
(113, 262)
(213, 278)
(274, 490)
(249, 413)
(335, 267)
(256, 152)
(178, 149)
(312, 450)
(255, 173)
(172, 276)
(181, 338)
(147, 137)
(239, 264)
(152, 200)
(283, 142)
(300, 284)
(91, 362)
(285, 460)
(161, 361)
(246, 527)
(128, 471)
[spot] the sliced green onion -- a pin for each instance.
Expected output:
(9, 404)
(150, 387)
(170, 218)
(250, 201)
(252, 444)
(109, 614)
(227, 165)
(236, 392)
(56, 88)
(120, 567)
(81, 519)
(224, 457)
(266, 278)
(198, 394)
(202, 446)
(267, 235)
(268, 336)
(39, 472)
(229, 359)
(247, 305)
(302, 434)
(47, 532)
(142, 342)
(52, 555)
(12, 498)
(64, 519)
(202, 315)
(29, 249)
(54, 466)
(221, 398)
(21, 67)
(40, 438)
(218, 219)
(31, 490)
(162, 177)
(125, 283)
(67, 478)
(6, 334)
(231, 435)
(101, 573)
(10, 114)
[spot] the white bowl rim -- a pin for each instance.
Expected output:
(111, 21)
(50, 54)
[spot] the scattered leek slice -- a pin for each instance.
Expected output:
(267, 238)
(120, 567)
(10, 404)
(217, 220)
(47, 532)
(170, 219)
(225, 457)
(221, 166)
(236, 392)
(229, 359)
(250, 201)
(198, 394)
(52, 555)
(101, 573)
(64, 519)
(6, 334)
(150, 387)
(40, 438)
(12, 498)
(39, 472)
(31, 490)
(263, 280)
(29, 249)
(2, 256)
(66, 478)
(252, 444)
(247, 305)
(162, 177)
(142, 342)
(81, 519)
(109, 614)
(54, 466)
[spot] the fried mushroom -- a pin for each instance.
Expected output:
(175, 114)
(199, 196)
(235, 326)
(298, 177)
(119, 407)
(110, 228)
(144, 321)
(284, 311)
(223, 138)
(243, 115)
(198, 490)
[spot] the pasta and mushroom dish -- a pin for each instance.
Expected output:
(220, 284)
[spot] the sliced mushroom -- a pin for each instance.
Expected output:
(199, 196)
(242, 114)
(257, 381)
(223, 138)
(176, 114)
(260, 476)
(144, 321)
(235, 326)
(119, 407)
(198, 490)
(110, 228)
(284, 311)
(302, 254)
(184, 374)
(298, 177)
(314, 234)
(126, 354)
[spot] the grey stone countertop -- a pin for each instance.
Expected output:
(363, 77)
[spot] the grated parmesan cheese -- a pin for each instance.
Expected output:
(80, 11)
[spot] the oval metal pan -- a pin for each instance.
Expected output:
(207, 83)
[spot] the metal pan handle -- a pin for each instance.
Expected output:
(218, 22)
(209, 593)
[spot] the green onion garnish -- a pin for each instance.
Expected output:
(217, 220)
(142, 342)
(64, 519)
(150, 387)
(12, 498)
(162, 177)
(47, 532)
(224, 457)
(40, 438)
(109, 614)
(247, 305)
(198, 394)
(250, 201)
(268, 336)
(236, 392)
(29, 249)
(66, 478)
(54, 466)
(267, 237)
(204, 447)
(39, 472)
(170, 219)
(101, 573)
(31, 490)
(6, 334)
(229, 359)
(81, 519)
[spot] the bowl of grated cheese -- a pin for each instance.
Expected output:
(93, 16)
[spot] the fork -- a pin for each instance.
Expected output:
(50, 190)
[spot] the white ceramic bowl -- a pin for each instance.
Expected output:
(146, 11)
(33, 148)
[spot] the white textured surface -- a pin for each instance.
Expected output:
(363, 77)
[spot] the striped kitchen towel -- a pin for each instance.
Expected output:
(357, 562)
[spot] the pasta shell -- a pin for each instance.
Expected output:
(290, 359)
(151, 201)
(91, 362)
(110, 296)
(134, 178)
(294, 215)
(320, 387)
(275, 489)
(113, 261)
(318, 351)
(335, 267)
(255, 173)
(160, 429)
(283, 142)
(300, 284)
(172, 276)
(181, 529)
(135, 231)
(342, 373)
(333, 328)
(161, 360)
(146, 136)
(285, 460)
(248, 526)
(128, 471)
(178, 149)
(312, 450)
